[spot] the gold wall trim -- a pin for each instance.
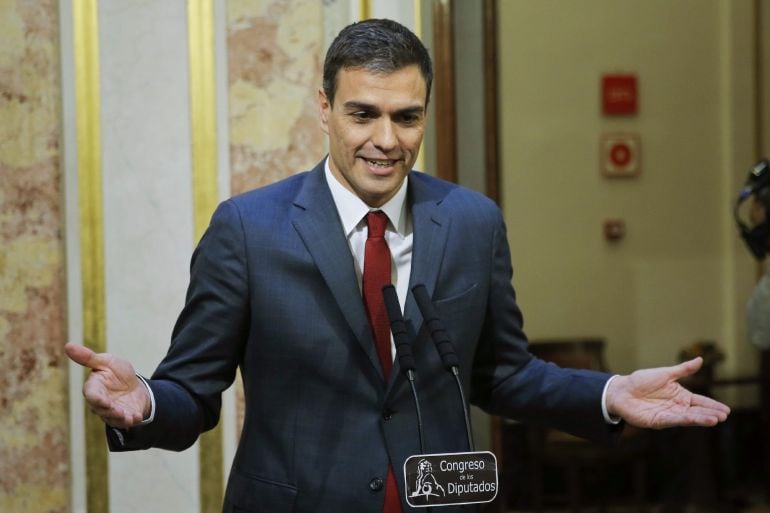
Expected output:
(418, 18)
(203, 112)
(200, 19)
(364, 9)
(88, 127)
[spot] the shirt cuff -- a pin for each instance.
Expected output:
(609, 419)
(152, 402)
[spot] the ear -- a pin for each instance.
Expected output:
(324, 110)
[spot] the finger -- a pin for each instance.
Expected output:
(77, 353)
(698, 416)
(721, 416)
(703, 419)
(115, 421)
(687, 368)
(116, 414)
(698, 421)
(691, 418)
(95, 395)
(120, 418)
(104, 413)
(86, 357)
(707, 402)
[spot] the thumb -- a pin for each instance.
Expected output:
(85, 356)
(687, 368)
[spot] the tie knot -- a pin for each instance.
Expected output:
(376, 222)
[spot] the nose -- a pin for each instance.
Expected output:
(384, 136)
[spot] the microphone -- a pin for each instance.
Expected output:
(447, 478)
(403, 349)
(398, 328)
(444, 345)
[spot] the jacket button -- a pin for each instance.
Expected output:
(387, 414)
(375, 484)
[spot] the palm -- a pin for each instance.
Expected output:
(652, 398)
(112, 389)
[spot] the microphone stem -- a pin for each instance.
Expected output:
(456, 374)
(410, 377)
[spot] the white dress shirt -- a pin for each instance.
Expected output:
(398, 234)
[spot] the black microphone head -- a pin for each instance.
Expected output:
(398, 328)
(392, 306)
(420, 294)
(436, 328)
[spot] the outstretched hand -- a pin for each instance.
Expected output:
(653, 398)
(112, 390)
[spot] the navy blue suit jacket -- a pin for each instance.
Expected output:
(273, 291)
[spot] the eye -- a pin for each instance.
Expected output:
(409, 119)
(362, 116)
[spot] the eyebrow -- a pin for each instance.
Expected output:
(354, 105)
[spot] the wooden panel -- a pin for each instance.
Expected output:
(491, 155)
(444, 87)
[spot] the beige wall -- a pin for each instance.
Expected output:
(680, 274)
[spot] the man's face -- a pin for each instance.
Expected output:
(375, 128)
(757, 213)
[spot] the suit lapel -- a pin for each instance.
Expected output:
(431, 228)
(318, 224)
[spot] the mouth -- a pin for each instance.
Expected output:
(382, 167)
(380, 163)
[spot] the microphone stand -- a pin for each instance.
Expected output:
(403, 350)
(445, 348)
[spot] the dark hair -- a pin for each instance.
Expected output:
(376, 45)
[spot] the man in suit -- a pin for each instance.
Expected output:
(276, 289)
(755, 232)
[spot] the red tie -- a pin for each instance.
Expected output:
(376, 276)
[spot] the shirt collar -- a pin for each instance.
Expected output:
(352, 209)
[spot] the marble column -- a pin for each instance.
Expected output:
(34, 469)
(275, 58)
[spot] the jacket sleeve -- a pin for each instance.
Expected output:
(206, 344)
(509, 381)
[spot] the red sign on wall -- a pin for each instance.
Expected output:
(619, 94)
